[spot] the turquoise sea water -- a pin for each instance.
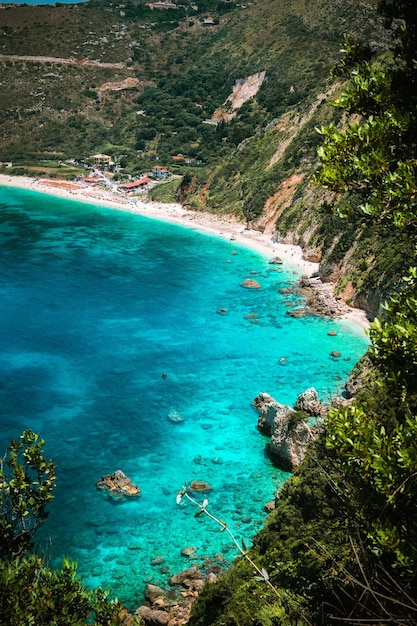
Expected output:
(96, 305)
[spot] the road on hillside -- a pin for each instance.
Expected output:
(40, 59)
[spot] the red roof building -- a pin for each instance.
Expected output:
(137, 183)
(90, 180)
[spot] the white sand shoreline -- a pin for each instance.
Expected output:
(226, 228)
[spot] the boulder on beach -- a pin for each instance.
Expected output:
(118, 485)
(275, 261)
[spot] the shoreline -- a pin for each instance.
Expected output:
(225, 228)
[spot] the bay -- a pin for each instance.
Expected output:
(110, 322)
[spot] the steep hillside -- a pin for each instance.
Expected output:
(179, 72)
(341, 545)
(142, 85)
(267, 179)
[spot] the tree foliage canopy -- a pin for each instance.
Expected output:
(374, 156)
(30, 592)
(26, 483)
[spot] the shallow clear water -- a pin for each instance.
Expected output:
(96, 305)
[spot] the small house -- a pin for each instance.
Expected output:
(102, 161)
(160, 172)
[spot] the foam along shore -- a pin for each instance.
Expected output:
(225, 227)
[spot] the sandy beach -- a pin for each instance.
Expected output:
(226, 228)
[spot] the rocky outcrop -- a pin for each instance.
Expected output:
(118, 485)
(172, 606)
(290, 434)
(269, 410)
(309, 403)
(320, 297)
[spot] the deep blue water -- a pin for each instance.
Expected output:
(96, 305)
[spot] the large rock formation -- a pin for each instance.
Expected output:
(118, 485)
(320, 297)
(290, 434)
(309, 403)
(269, 410)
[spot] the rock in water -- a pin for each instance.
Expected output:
(118, 485)
(199, 485)
(289, 436)
(309, 402)
(250, 283)
(175, 417)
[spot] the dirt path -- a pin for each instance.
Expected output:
(41, 59)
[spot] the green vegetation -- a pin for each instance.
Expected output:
(31, 593)
(76, 105)
(165, 192)
(26, 484)
(372, 158)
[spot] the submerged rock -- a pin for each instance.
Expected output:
(250, 283)
(175, 417)
(190, 551)
(118, 484)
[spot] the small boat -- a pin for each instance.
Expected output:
(175, 417)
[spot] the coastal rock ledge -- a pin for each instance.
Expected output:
(171, 607)
(288, 428)
(118, 485)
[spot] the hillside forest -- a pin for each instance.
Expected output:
(323, 155)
